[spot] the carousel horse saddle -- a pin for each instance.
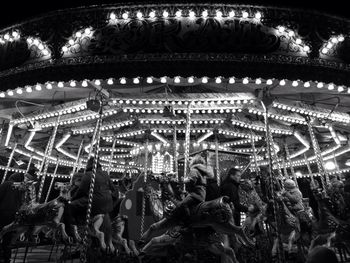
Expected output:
(217, 210)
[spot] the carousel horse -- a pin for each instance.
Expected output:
(208, 222)
(119, 227)
(289, 226)
(249, 197)
(329, 228)
(34, 216)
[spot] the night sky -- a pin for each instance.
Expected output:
(14, 11)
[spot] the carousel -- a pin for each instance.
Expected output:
(141, 94)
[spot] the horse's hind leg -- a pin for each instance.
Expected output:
(100, 235)
(162, 225)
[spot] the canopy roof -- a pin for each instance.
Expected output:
(150, 62)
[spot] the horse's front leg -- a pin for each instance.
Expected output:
(61, 226)
(291, 239)
(98, 220)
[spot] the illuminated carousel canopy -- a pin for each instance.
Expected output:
(154, 63)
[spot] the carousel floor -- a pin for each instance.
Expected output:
(39, 254)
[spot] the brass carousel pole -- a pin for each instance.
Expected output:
(46, 161)
(175, 154)
(96, 148)
(51, 183)
(271, 155)
(319, 159)
(291, 165)
(187, 144)
(9, 163)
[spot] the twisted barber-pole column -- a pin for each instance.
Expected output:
(176, 171)
(29, 163)
(96, 148)
(9, 163)
(111, 157)
(187, 144)
(291, 165)
(46, 160)
(270, 153)
(217, 168)
(145, 181)
(51, 183)
(319, 159)
(76, 163)
(309, 169)
(256, 166)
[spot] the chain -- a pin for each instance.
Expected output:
(319, 159)
(291, 165)
(271, 155)
(51, 183)
(92, 185)
(144, 194)
(9, 163)
(46, 161)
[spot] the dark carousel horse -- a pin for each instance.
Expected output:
(329, 229)
(208, 223)
(33, 216)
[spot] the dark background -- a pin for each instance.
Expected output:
(15, 11)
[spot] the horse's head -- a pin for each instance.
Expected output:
(63, 188)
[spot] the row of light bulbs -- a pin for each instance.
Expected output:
(65, 111)
(331, 43)
(123, 142)
(87, 32)
(41, 46)
(9, 37)
(173, 80)
(335, 116)
(197, 111)
(103, 127)
(81, 119)
(199, 121)
(260, 127)
(203, 103)
(238, 134)
(191, 14)
(290, 119)
(291, 34)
